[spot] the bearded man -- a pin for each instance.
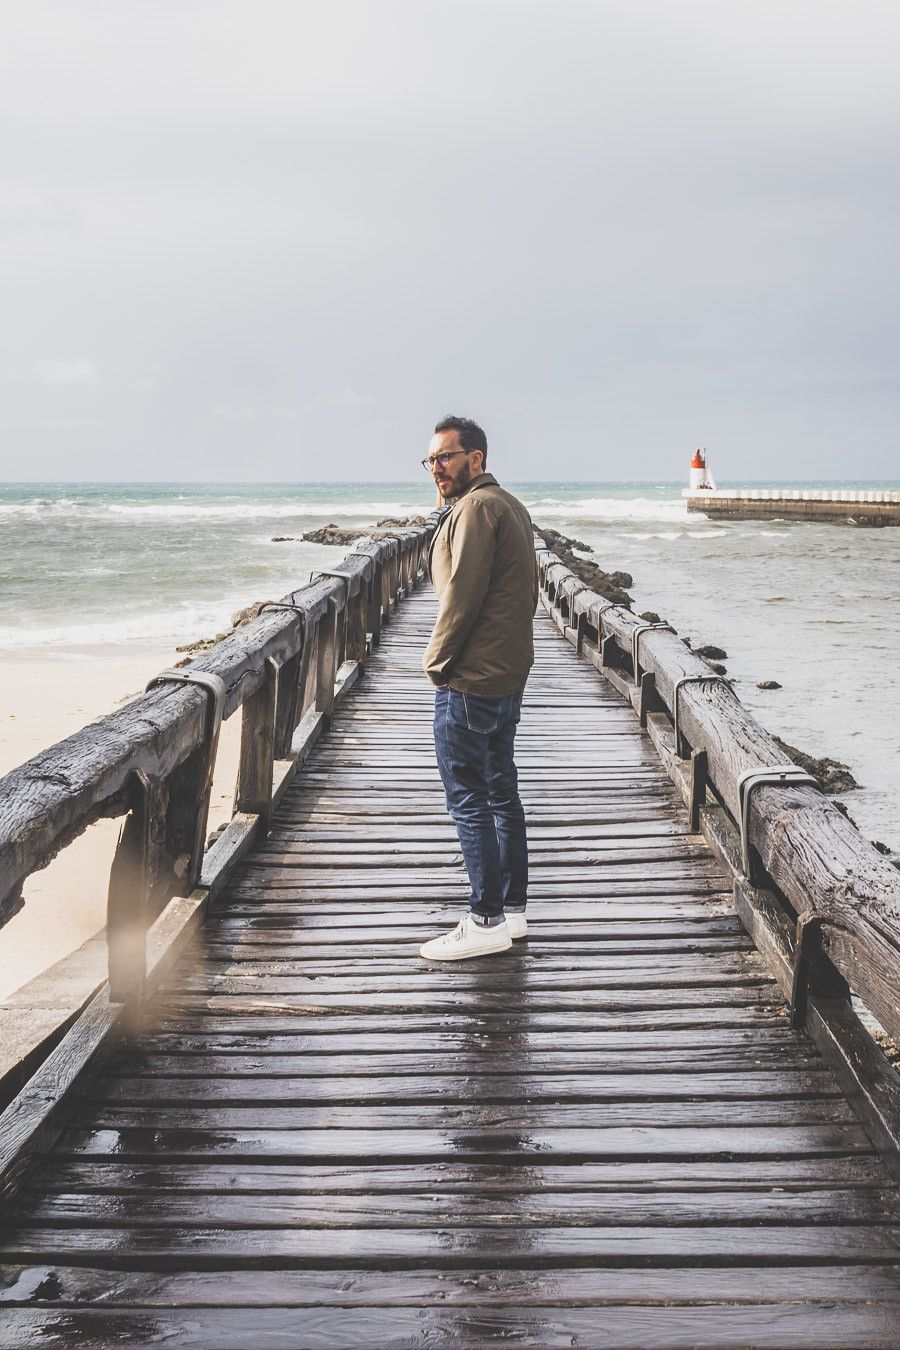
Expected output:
(483, 568)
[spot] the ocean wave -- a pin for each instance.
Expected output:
(213, 510)
(259, 510)
(180, 624)
(609, 508)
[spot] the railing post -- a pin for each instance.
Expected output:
(355, 629)
(291, 682)
(340, 628)
(648, 698)
(190, 786)
(395, 574)
(326, 660)
(128, 899)
(253, 793)
(699, 768)
(387, 587)
(375, 602)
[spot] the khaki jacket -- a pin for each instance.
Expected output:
(483, 567)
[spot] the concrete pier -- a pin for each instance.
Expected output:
(840, 506)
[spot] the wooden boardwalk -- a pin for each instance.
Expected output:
(607, 1137)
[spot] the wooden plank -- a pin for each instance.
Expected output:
(427, 1211)
(381, 1088)
(791, 1174)
(169, 1247)
(832, 1326)
(179, 1141)
(73, 1286)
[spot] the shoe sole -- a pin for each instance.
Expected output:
(467, 956)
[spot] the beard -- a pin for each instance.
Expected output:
(460, 482)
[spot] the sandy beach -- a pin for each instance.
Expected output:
(46, 695)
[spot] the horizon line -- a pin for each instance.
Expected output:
(395, 482)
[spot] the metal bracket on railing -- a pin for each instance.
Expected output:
(214, 688)
(779, 775)
(809, 930)
(579, 622)
(576, 590)
(314, 576)
(636, 635)
(610, 604)
(299, 610)
(689, 679)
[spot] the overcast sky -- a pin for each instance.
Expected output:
(267, 240)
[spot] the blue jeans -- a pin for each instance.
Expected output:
(473, 737)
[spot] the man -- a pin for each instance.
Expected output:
(483, 567)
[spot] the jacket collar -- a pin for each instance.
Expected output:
(483, 480)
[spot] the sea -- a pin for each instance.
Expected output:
(814, 606)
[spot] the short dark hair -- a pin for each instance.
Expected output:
(471, 436)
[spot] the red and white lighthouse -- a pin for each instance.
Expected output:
(699, 474)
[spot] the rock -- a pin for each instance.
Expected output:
(611, 585)
(198, 645)
(892, 857)
(553, 537)
(831, 775)
(340, 537)
(247, 615)
(333, 534)
(711, 652)
(716, 666)
(768, 684)
(650, 616)
(400, 522)
(283, 539)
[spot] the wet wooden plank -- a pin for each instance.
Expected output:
(205, 1246)
(435, 1210)
(73, 1286)
(793, 1174)
(831, 1326)
(435, 1087)
(191, 1060)
(181, 1142)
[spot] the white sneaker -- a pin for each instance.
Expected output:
(517, 925)
(468, 939)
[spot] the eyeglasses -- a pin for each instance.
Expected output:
(443, 459)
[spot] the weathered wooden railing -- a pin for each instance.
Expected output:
(152, 762)
(822, 904)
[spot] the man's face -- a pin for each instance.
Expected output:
(456, 473)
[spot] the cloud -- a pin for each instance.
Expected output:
(148, 382)
(345, 398)
(67, 372)
(326, 256)
(253, 412)
(42, 217)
